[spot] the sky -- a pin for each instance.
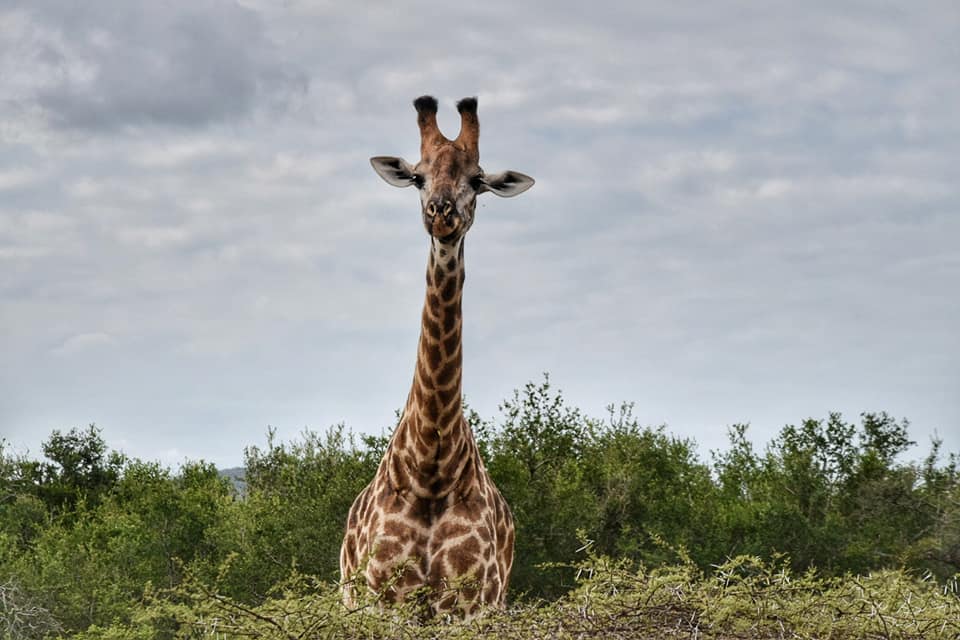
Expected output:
(744, 213)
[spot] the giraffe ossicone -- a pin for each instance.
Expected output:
(432, 517)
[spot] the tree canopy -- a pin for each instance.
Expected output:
(86, 532)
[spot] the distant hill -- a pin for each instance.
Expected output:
(237, 476)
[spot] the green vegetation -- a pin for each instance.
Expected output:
(623, 530)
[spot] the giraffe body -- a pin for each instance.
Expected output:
(432, 517)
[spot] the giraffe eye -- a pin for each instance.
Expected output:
(418, 181)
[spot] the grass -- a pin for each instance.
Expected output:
(743, 598)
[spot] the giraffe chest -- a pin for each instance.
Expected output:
(409, 542)
(435, 530)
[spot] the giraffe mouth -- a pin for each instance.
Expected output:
(443, 227)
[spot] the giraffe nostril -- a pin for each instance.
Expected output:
(442, 208)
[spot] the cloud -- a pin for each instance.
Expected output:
(82, 342)
(17, 178)
(739, 214)
(108, 65)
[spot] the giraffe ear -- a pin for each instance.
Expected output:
(506, 184)
(396, 171)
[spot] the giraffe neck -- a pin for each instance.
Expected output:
(432, 441)
(438, 374)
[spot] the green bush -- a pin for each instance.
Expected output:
(744, 597)
(96, 544)
(292, 514)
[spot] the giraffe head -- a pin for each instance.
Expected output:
(448, 174)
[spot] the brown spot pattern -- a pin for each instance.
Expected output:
(449, 290)
(452, 344)
(434, 357)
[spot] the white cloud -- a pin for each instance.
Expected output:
(111, 64)
(739, 207)
(154, 237)
(82, 342)
(18, 178)
(655, 171)
(167, 155)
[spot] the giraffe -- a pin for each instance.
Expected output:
(432, 517)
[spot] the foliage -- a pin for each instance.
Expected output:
(744, 597)
(829, 531)
(78, 467)
(535, 459)
(833, 496)
(293, 512)
(88, 566)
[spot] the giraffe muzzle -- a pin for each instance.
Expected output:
(441, 218)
